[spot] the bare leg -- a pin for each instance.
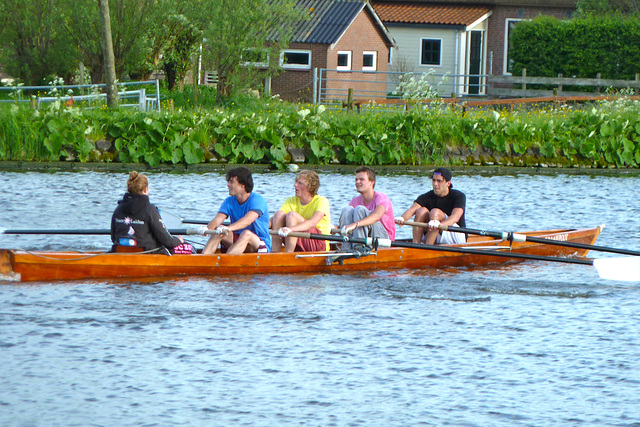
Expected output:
(247, 242)
(214, 242)
(422, 215)
(292, 219)
(432, 235)
(277, 222)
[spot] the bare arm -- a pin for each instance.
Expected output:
(245, 221)
(309, 223)
(455, 216)
(409, 213)
(216, 221)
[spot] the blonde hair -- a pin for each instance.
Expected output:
(312, 179)
(137, 183)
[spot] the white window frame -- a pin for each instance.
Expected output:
(373, 53)
(422, 39)
(505, 63)
(257, 64)
(295, 66)
(344, 67)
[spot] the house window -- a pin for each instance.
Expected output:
(344, 60)
(296, 59)
(255, 57)
(510, 24)
(431, 52)
(369, 61)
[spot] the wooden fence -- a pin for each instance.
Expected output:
(502, 86)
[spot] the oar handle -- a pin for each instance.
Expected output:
(299, 234)
(515, 237)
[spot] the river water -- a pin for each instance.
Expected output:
(520, 345)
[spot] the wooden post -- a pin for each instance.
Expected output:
(560, 84)
(196, 80)
(598, 85)
(350, 102)
(524, 74)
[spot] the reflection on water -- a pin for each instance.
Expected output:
(521, 344)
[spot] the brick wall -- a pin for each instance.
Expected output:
(497, 24)
(297, 85)
(363, 35)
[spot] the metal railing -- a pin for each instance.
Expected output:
(87, 96)
(333, 86)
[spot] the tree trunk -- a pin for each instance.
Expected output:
(107, 51)
(170, 74)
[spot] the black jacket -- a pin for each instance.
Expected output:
(138, 223)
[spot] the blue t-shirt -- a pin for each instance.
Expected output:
(235, 211)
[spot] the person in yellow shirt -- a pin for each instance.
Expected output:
(306, 211)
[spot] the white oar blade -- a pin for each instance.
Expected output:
(624, 268)
(170, 219)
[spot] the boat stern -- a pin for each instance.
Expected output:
(6, 267)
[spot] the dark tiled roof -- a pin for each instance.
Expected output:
(424, 13)
(328, 20)
(571, 4)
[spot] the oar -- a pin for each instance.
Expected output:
(172, 219)
(627, 269)
(516, 237)
(175, 231)
(200, 221)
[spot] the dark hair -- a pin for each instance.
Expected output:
(445, 173)
(370, 173)
(243, 175)
(137, 183)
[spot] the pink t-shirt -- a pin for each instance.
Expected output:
(387, 219)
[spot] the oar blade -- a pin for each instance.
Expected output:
(625, 269)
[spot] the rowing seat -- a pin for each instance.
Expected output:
(121, 249)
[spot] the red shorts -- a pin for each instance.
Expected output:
(311, 245)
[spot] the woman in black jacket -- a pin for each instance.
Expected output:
(137, 223)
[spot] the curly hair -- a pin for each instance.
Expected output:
(312, 180)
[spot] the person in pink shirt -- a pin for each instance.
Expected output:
(370, 214)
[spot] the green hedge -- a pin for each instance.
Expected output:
(547, 47)
(604, 135)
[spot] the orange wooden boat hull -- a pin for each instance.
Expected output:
(18, 265)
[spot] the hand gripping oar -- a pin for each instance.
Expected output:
(516, 237)
(627, 269)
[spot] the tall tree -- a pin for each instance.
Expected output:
(182, 41)
(598, 8)
(132, 24)
(237, 29)
(33, 44)
(107, 49)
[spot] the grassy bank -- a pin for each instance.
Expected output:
(602, 135)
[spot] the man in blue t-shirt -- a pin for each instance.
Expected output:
(248, 214)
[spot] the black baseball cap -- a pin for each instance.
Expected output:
(444, 172)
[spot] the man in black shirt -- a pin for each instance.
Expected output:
(442, 205)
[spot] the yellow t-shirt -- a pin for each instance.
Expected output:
(318, 203)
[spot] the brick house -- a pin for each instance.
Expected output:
(342, 35)
(465, 38)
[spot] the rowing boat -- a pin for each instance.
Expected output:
(25, 266)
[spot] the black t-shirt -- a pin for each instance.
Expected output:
(455, 199)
